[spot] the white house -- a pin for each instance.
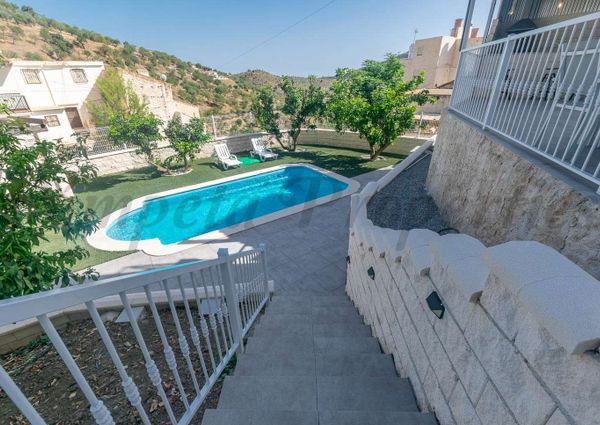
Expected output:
(52, 91)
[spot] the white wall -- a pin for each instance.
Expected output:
(519, 339)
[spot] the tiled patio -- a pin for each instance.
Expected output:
(306, 251)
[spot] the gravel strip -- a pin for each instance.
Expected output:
(404, 203)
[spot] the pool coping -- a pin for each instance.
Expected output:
(100, 240)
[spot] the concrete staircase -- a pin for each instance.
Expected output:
(310, 361)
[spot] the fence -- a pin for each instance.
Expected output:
(540, 89)
(14, 102)
(234, 288)
(98, 143)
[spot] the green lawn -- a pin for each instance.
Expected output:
(111, 192)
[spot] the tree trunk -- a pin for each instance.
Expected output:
(374, 152)
(185, 163)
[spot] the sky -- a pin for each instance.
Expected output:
(293, 37)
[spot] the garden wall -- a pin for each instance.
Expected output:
(498, 192)
(518, 341)
(323, 137)
(115, 162)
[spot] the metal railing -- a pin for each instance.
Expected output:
(98, 143)
(14, 101)
(540, 89)
(220, 298)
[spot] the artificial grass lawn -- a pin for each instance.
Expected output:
(111, 192)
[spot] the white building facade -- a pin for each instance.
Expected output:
(55, 92)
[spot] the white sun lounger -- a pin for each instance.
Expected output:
(225, 158)
(261, 150)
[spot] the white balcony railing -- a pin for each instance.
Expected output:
(234, 289)
(540, 89)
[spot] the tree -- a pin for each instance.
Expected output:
(31, 208)
(375, 101)
(140, 129)
(185, 139)
(300, 105)
(117, 97)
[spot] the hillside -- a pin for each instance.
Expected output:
(256, 78)
(25, 34)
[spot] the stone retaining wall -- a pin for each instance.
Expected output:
(486, 189)
(518, 341)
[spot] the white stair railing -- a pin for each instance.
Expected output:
(540, 89)
(235, 288)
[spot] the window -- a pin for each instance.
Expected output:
(52, 120)
(78, 75)
(420, 51)
(31, 76)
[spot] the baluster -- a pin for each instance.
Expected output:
(211, 313)
(183, 344)
(203, 325)
(263, 256)
(131, 390)
(99, 411)
(219, 302)
(18, 398)
(193, 330)
(230, 297)
(239, 289)
(151, 368)
(256, 273)
(167, 350)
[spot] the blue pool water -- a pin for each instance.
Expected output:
(181, 216)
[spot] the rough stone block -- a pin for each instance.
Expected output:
(569, 308)
(462, 408)
(574, 379)
(436, 399)
(524, 395)
(558, 419)
(519, 263)
(467, 366)
(492, 410)
(503, 306)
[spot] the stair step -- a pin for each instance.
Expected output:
(306, 309)
(349, 417)
(297, 330)
(259, 417)
(325, 345)
(346, 345)
(269, 392)
(276, 364)
(355, 365)
(319, 318)
(307, 330)
(313, 300)
(279, 345)
(329, 393)
(365, 393)
(295, 363)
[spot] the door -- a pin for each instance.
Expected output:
(74, 118)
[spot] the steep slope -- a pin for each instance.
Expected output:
(25, 34)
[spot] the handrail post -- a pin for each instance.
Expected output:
(231, 299)
(263, 260)
(499, 81)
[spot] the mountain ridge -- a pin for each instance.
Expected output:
(28, 35)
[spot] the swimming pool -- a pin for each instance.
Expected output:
(171, 221)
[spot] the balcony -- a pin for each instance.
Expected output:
(541, 90)
(15, 102)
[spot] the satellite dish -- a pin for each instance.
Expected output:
(163, 77)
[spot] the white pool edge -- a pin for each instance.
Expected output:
(100, 240)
